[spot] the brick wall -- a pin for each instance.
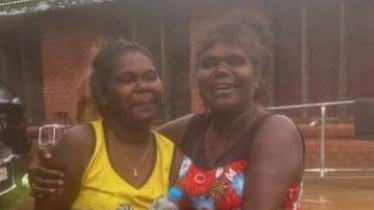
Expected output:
(68, 38)
(342, 148)
(204, 13)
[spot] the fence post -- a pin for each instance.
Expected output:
(322, 143)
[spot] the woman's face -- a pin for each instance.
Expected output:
(226, 78)
(134, 89)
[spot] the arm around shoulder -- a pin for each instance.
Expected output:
(70, 156)
(174, 130)
(275, 163)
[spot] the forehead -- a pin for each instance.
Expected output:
(222, 49)
(133, 61)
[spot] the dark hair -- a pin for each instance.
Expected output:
(247, 31)
(105, 62)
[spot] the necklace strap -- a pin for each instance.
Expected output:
(135, 168)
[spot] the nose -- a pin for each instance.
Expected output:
(142, 86)
(221, 70)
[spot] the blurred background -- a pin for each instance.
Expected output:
(322, 76)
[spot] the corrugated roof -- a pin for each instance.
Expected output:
(13, 2)
(15, 7)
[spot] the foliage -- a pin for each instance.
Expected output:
(10, 199)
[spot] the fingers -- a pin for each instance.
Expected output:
(45, 154)
(40, 191)
(44, 181)
(41, 188)
(45, 173)
(40, 156)
(48, 183)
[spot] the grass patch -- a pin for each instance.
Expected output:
(10, 199)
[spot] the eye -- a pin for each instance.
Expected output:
(236, 60)
(208, 62)
(150, 75)
(125, 78)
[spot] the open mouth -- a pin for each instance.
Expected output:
(222, 88)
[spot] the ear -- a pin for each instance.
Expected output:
(101, 95)
(257, 84)
(257, 79)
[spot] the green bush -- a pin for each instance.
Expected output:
(10, 199)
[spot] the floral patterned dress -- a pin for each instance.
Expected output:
(221, 187)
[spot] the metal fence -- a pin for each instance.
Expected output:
(321, 53)
(322, 169)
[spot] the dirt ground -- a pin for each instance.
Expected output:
(336, 191)
(339, 192)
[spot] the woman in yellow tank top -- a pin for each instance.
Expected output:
(116, 162)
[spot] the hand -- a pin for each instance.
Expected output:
(43, 181)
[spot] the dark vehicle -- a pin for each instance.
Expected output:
(13, 136)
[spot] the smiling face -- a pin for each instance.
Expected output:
(134, 89)
(226, 78)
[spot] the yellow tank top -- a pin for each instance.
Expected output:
(103, 189)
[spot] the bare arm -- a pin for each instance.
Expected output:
(46, 180)
(174, 130)
(43, 181)
(276, 161)
(70, 156)
(177, 162)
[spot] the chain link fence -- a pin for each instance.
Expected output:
(315, 54)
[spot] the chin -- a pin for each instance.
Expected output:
(145, 117)
(222, 108)
(226, 107)
(142, 122)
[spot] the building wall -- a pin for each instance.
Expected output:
(68, 39)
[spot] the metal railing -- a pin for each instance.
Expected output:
(322, 169)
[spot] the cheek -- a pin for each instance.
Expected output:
(157, 90)
(120, 94)
(200, 78)
(246, 75)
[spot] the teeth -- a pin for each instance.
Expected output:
(222, 87)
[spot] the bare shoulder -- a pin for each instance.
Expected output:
(278, 140)
(73, 152)
(77, 138)
(279, 126)
(81, 136)
(70, 156)
(276, 162)
(174, 130)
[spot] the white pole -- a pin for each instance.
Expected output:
(304, 61)
(322, 143)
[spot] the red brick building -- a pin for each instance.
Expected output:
(322, 50)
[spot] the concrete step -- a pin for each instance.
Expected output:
(333, 130)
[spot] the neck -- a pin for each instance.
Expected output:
(126, 133)
(230, 121)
